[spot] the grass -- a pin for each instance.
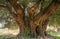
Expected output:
(57, 37)
(52, 33)
(8, 36)
(55, 34)
(3, 37)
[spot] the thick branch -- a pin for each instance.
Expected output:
(45, 14)
(32, 10)
(16, 6)
(20, 14)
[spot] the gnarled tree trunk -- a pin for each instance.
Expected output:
(19, 15)
(37, 23)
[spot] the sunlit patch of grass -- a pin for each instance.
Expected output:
(57, 37)
(55, 34)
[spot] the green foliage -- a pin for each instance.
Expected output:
(3, 2)
(7, 19)
(57, 37)
(55, 19)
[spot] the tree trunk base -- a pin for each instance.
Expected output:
(19, 36)
(39, 37)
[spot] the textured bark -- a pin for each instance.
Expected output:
(44, 15)
(31, 12)
(19, 17)
(44, 27)
(40, 20)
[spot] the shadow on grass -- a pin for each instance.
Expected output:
(26, 37)
(14, 37)
(5, 36)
